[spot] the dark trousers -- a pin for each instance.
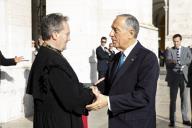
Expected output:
(173, 97)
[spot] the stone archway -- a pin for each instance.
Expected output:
(159, 21)
(38, 11)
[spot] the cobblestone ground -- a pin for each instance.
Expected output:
(99, 119)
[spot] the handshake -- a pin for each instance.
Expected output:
(100, 101)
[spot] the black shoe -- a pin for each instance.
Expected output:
(172, 124)
(188, 123)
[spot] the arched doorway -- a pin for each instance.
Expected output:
(38, 11)
(159, 21)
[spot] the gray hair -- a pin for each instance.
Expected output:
(52, 23)
(131, 21)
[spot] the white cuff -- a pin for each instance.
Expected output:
(109, 106)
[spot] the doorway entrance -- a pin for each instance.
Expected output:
(159, 21)
(38, 12)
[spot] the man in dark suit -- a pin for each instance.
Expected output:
(11, 61)
(111, 52)
(178, 59)
(59, 97)
(189, 84)
(102, 58)
(130, 85)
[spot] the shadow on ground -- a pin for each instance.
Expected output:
(163, 122)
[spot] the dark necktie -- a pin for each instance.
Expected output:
(178, 56)
(120, 63)
(121, 60)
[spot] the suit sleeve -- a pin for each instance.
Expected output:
(145, 88)
(169, 57)
(71, 94)
(6, 62)
(189, 84)
(188, 58)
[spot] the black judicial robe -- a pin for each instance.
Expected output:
(59, 97)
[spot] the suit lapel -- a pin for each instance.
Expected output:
(101, 49)
(128, 62)
(182, 54)
(174, 53)
(114, 68)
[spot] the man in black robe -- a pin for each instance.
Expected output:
(59, 97)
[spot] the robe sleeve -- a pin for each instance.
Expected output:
(72, 95)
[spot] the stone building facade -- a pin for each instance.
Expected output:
(179, 21)
(172, 17)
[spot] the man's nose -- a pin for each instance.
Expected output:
(111, 33)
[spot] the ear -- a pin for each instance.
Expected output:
(132, 32)
(55, 35)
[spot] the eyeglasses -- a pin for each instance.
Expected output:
(103, 41)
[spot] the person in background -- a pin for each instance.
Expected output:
(190, 85)
(190, 47)
(38, 43)
(59, 98)
(161, 57)
(178, 59)
(36, 46)
(111, 51)
(102, 58)
(10, 61)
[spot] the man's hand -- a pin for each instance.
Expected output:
(101, 100)
(18, 59)
(95, 91)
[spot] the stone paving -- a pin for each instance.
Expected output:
(98, 119)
